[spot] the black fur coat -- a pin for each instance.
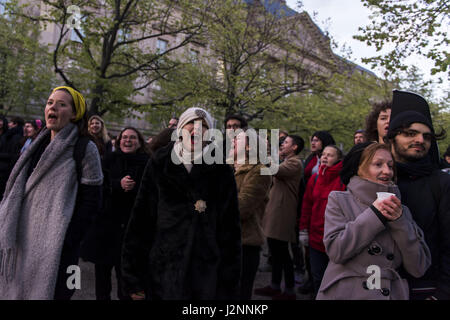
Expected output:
(170, 250)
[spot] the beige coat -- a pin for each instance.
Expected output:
(355, 238)
(253, 189)
(281, 211)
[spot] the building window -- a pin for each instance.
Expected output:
(123, 35)
(73, 34)
(161, 45)
(193, 54)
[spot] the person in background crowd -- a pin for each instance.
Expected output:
(445, 161)
(99, 133)
(173, 123)
(313, 210)
(48, 204)
(363, 230)
(424, 188)
(377, 122)
(253, 194)
(16, 122)
(113, 142)
(183, 241)
(447, 155)
(319, 141)
(10, 144)
(359, 136)
(280, 218)
(103, 245)
(234, 122)
(161, 139)
(30, 132)
(282, 135)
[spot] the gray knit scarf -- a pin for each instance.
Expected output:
(34, 216)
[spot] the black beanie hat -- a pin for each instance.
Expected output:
(408, 108)
(350, 163)
(325, 137)
(406, 118)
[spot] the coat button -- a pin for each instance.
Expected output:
(364, 285)
(385, 292)
(390, 256)
(375, 249)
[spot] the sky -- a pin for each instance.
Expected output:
(345, 18)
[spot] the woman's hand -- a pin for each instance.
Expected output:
(390, 208)
(138, 295)
(127, 183)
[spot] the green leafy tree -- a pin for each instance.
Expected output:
(251, 59)
(24, 64)
(107, 55)
(413, 80)
(340, 110)
(408, 27)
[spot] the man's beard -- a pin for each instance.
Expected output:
(403, 156)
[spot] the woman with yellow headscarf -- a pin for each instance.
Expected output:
(48, 204)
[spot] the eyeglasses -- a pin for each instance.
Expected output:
(129, 137)
(427, 136)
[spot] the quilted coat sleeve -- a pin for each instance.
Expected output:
(344, 238)
(138, 236)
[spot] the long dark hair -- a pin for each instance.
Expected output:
(141, 149)
(372, 118)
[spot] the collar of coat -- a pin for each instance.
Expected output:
(195, 184)
(366, 191)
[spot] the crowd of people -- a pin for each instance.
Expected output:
(174, 227)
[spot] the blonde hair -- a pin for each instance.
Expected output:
(367, 156)
(103, 132)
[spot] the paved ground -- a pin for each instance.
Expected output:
(87, 291)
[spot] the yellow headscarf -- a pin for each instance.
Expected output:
(78, 100)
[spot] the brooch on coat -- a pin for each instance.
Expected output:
(200, 206)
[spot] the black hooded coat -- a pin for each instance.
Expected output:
(10, 144)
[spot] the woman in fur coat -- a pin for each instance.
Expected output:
(183, 240)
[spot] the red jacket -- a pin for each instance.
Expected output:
(315, 202)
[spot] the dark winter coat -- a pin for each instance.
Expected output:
(309, 164)
(315, 201)
(10, 144)
(173, 251)
(429, 201)
(104, 241)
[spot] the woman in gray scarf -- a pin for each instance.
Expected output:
(47, 206)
